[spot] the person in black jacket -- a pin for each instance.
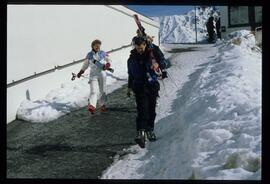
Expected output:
(210, 29)
(143, 81)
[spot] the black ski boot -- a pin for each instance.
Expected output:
(151, 136)
(140, 138)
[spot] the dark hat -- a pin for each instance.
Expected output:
(139, 40)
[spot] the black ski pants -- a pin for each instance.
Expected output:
(146, 109)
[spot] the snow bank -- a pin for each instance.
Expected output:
(181, 28)
(72, 95)
(225, 134)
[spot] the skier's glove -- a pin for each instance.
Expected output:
(155, 66)
(164, 74)
(129, 91)
(80, 73)
(106, 66)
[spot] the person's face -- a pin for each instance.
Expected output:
(96, 47)
(140, 48)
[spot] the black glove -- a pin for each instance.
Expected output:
(164, 74)
(80, 73)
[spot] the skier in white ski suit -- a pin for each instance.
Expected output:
(98, 62)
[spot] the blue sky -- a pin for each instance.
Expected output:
(160, 10)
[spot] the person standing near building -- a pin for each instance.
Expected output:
(99, 62)
(210, 29)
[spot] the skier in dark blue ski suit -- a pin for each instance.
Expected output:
(143, 81)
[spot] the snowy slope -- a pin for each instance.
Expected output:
(211, 127)
(228, 122)
(181, 28)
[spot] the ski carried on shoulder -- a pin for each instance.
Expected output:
(152, 57)
(138, 22)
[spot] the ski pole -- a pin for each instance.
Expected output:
(85, 77)
(111, 70)
(74, 76)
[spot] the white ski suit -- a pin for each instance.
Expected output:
(97, 76)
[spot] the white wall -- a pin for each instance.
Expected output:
(225, 22)
(43, 36)
(40, 37)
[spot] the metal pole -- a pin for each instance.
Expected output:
(195, 24)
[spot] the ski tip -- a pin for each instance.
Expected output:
(136, 16)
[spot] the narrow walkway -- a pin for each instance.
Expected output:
(170, 157)
(77, 145)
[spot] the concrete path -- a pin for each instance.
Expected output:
(77, 145)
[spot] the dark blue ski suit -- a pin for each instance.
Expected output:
(146, 91)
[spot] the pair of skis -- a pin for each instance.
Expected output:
(152, 57)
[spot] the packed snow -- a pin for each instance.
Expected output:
(209, 127)
(72, 95)
(181, 28)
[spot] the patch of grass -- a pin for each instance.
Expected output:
(254, 165)
(231, 162)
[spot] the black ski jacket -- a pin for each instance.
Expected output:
(137, 70)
